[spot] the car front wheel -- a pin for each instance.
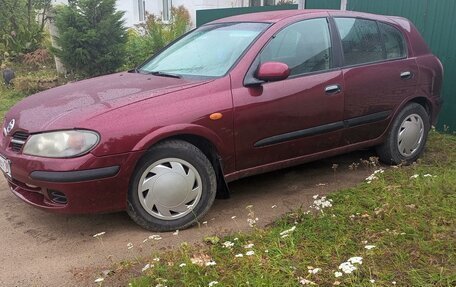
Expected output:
(174, 185)
(407, 136)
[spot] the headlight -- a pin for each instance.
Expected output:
(61, 144)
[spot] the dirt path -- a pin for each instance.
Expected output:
(43, 249)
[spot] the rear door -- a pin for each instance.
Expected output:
(276, 121)
(378, 76)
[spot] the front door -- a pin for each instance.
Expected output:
(301, 115)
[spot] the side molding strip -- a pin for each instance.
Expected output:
(367, 119)
(323, 129)
(299, 134)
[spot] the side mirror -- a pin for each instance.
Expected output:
(273, 71)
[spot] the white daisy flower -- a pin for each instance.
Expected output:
(356, 260)
(211, 263)
(314, 271)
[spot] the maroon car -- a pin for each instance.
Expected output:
(233, 98)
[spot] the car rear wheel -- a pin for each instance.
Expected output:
(174, 185)
(407, 137)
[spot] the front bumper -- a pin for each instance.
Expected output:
(86, 184)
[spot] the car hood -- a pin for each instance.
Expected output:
(69, 106)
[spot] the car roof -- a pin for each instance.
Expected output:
(269, 16)
(278, 15)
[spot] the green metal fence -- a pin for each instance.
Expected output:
(206, 16)
(434, 18)
(322, 4)
(436, 21)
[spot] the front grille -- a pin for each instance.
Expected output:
(18, 141)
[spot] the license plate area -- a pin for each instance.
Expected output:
(5, 166)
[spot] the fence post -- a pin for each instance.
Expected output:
(302, 4)
(343, 5)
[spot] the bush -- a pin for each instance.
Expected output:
(91, 38)
(153, 35)
(37, 58)
(31, 84)
(138, 49)
(20, 32)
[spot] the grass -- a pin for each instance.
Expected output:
(411, 222)
(9, 95)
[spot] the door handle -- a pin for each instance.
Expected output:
(332, 89)
(406, 75)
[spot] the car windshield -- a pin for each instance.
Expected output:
(209, 51)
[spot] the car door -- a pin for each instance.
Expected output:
(377, 73)
(276, 121)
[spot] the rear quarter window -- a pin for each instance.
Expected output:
(394, 41)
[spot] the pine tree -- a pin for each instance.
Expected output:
(91, 37)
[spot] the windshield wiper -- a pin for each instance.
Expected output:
(164, 74)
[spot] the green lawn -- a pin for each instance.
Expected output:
(26, 81)
(8, 97)
(407, 213)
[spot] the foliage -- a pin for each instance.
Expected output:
(154, 34)
(91, 38)
(37, 58)
(285, 2)
(28, 81)
(20, 32)
(398, 230)
(30, 84)
(137, 48)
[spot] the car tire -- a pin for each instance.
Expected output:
(407, 137)
(173, 186)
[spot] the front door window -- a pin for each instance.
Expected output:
(304, 46)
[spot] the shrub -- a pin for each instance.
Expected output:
(20, 32)
(30, 84)
(91, 37)
(138, 48)
(153, 35)
(37, 58)
(285, 2)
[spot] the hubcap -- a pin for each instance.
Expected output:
(410, 135)
(170, 188)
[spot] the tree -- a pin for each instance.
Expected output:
(91, 37)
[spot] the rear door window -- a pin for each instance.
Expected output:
(361, 41)
(394, 41)
(304, 46)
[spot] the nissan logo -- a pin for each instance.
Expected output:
(10, 126)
